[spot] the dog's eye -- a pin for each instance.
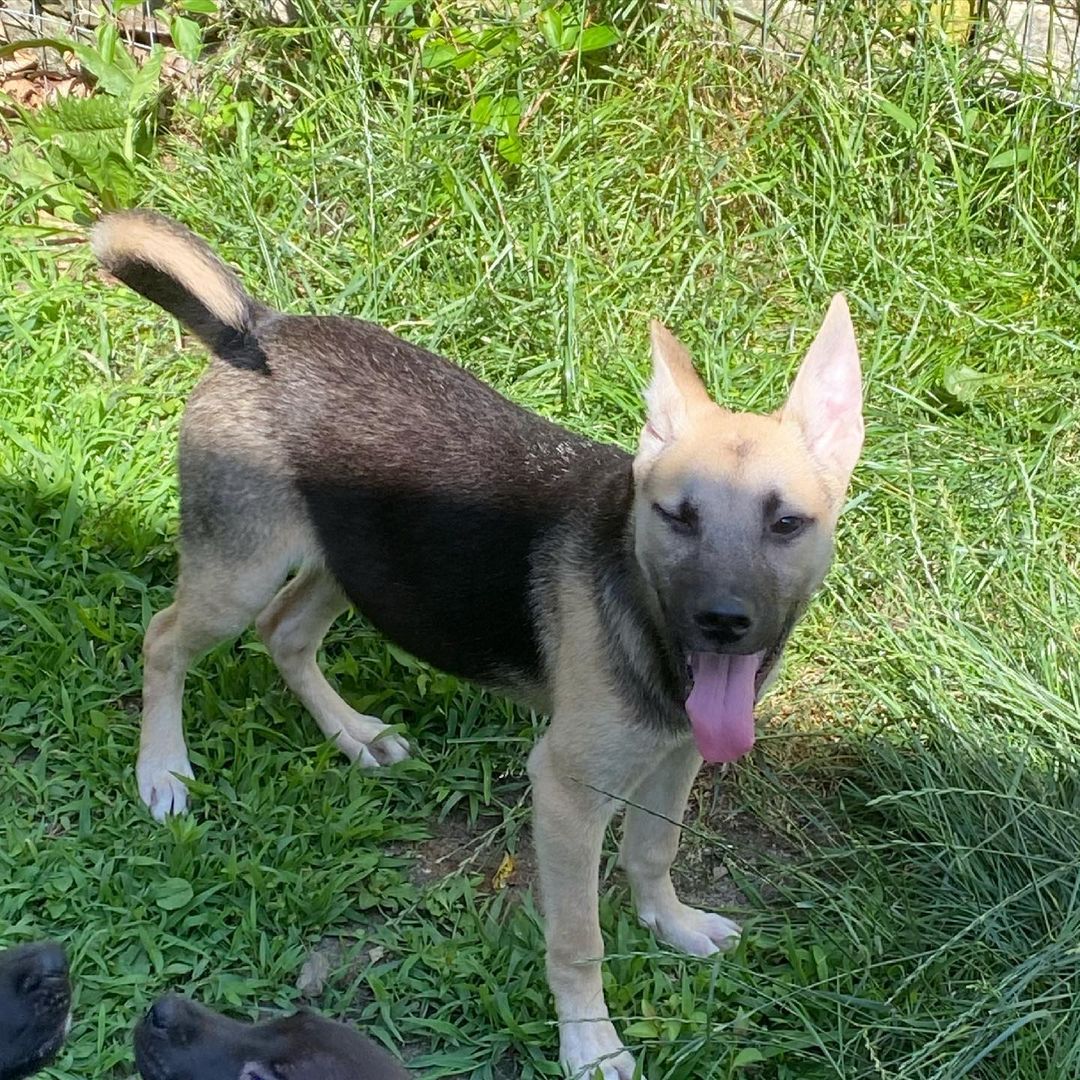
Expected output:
(788, 525)
(682, 519)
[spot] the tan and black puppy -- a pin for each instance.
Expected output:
(182, 1040)
(35, 1007)
(642, 600)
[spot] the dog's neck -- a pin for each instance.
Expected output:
(642, 652)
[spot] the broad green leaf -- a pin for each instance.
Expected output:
(901, 116)
(642, 1029)
(199, 7)
(25, 169)
(111, 78)
(438, 54)
(187, 36)
(506, 113)
(963, 383)
(480, 113)
(145, 83)
(509, 148)
(112, 50)
(173, 894)
(597, 37)
(1008, 158)
(551, 27)
(466, 58)
(748, 1055)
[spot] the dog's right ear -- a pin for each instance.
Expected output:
(674, 390)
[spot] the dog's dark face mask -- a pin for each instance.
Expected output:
(182, 1040)
(734, 515)
(35, 1005)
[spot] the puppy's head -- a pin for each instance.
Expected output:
(35, 1007)
(734, 515)
(182, 1040)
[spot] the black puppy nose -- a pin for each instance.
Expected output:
(164, 1012)
(726, 621)
(43, 962)
(52, 960)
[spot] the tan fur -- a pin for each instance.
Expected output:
(593, 760)
(293, 627)
(615, 740)
(130, 236)
(582, 769)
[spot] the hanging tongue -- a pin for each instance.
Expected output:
(721, 704)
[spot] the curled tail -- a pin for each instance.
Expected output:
(171, 266)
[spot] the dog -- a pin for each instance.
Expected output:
(179, 1039)
(35, 1007)
(642, 600)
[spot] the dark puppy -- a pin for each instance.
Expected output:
(35, 1007)
(181, 1040)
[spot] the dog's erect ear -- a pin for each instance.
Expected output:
(826, 397)
(673, 392)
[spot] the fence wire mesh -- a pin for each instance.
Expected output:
(1040, 34)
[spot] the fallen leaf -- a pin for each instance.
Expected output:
(501, 878)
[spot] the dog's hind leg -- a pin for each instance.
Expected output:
(293, 626)
(216, 600)
(650, 841)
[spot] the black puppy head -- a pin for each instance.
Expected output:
(35, 1004)
(182, 1040)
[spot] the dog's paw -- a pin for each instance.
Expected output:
(362, 740)
(699, 933)
(163, 792)
(590, 1048)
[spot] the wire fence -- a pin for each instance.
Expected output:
(22, 20)
(1042, 34)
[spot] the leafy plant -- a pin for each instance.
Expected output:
(74, 151)
(475, 67)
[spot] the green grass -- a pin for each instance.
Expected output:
(920, 774)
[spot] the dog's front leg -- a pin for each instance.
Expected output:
(569, 818)
(650, 842)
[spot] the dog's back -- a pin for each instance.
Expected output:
(426, 493)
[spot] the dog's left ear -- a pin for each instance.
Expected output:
(826, 397)
(674, 390)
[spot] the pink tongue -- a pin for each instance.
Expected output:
(721, 704)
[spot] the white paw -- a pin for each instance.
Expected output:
(162, 792)
(591, 1048)
(699, 933)
(361, 739)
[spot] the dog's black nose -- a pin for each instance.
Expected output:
(51, 960)
(726, 622)
(164, 1012)
(42, 963)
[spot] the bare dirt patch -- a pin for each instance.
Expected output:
(721, 837)
(456, 846)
